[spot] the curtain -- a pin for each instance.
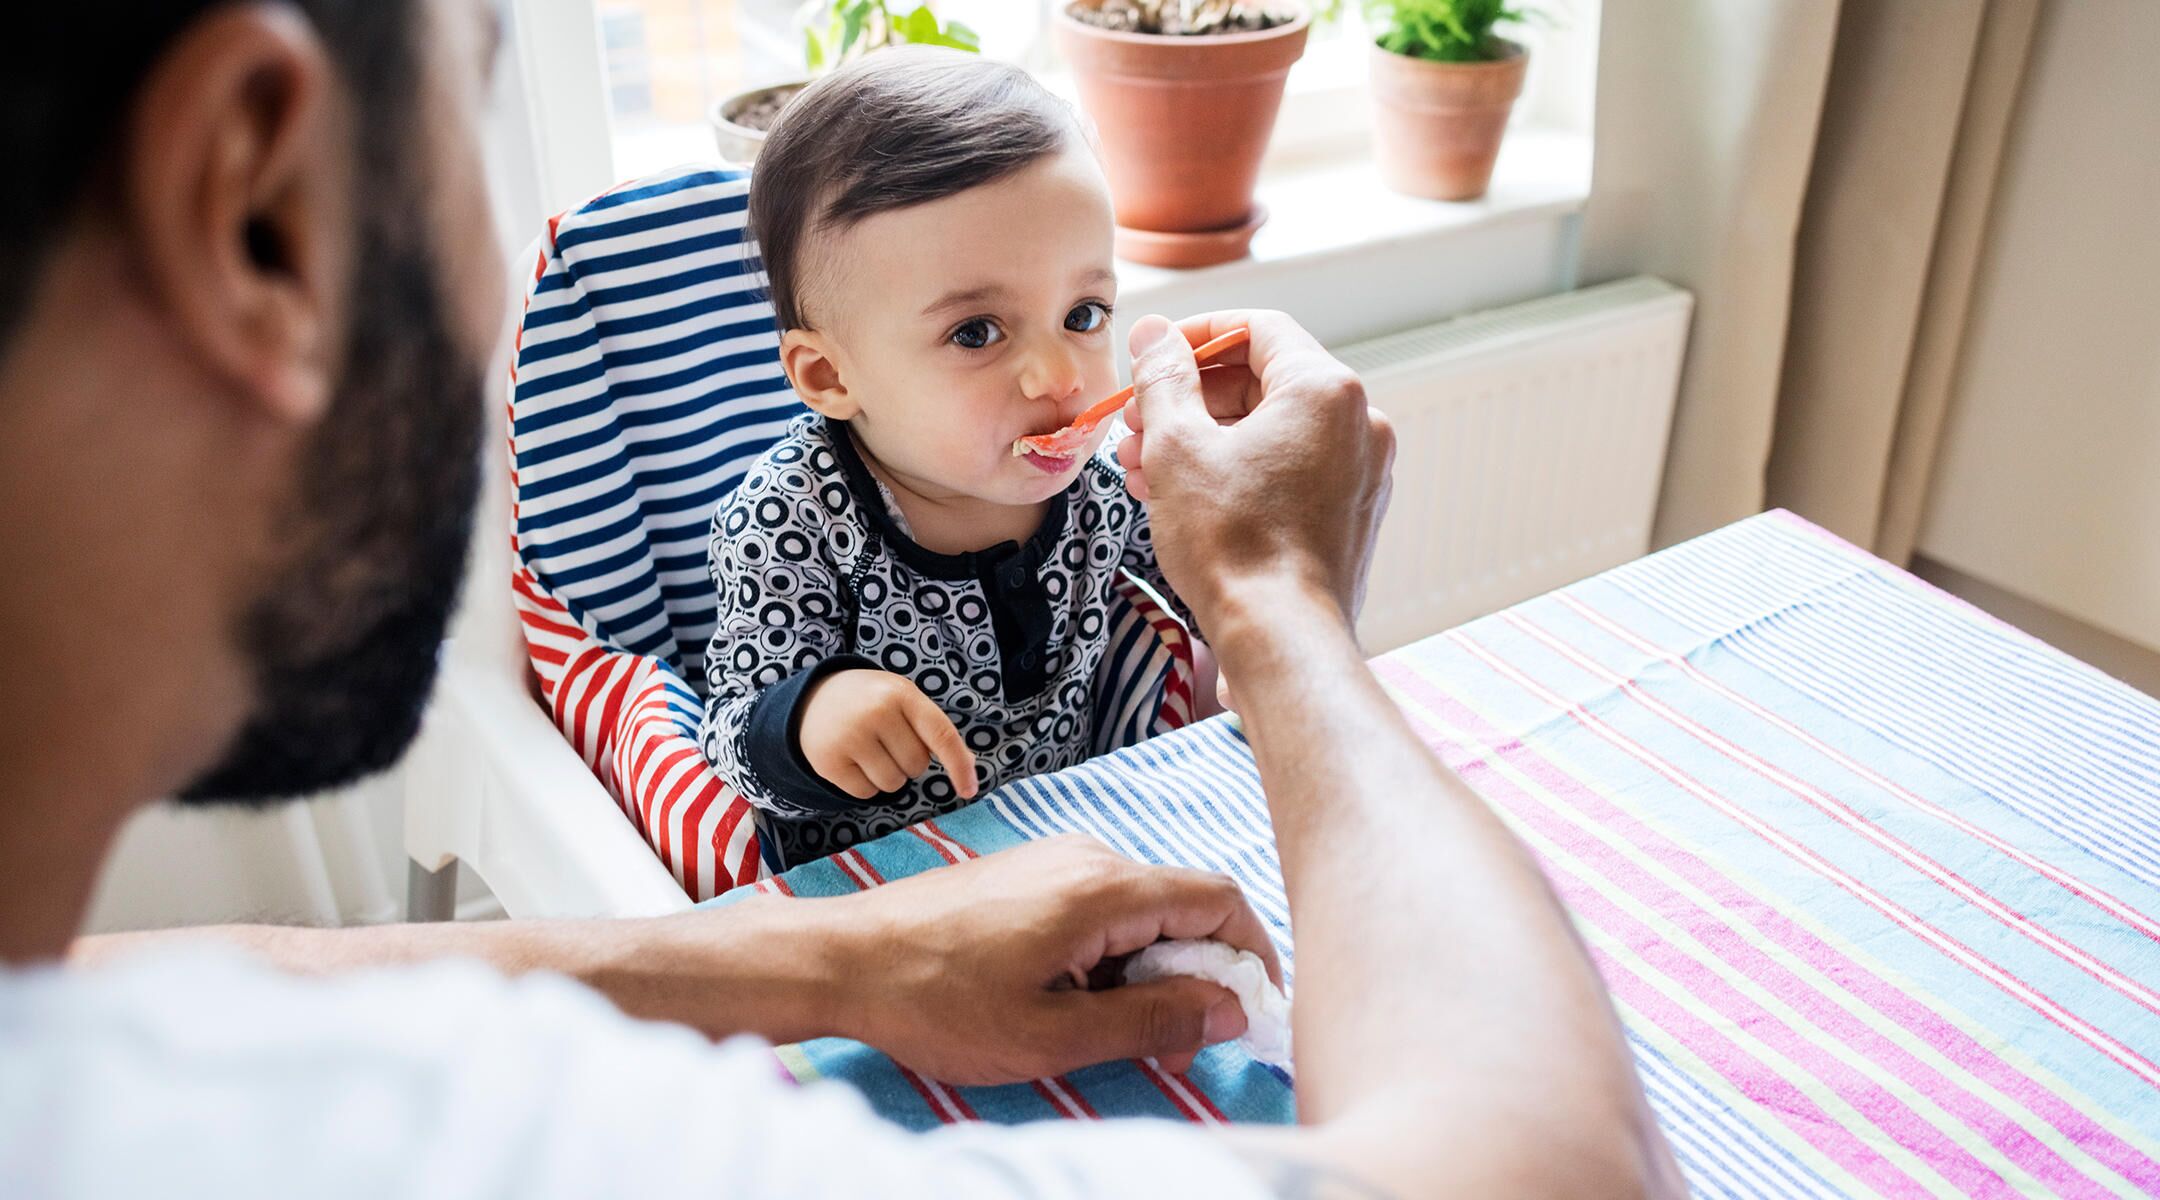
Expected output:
(1818, 173)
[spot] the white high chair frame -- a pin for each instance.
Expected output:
(491, 782)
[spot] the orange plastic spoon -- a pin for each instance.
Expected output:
(1064, 442)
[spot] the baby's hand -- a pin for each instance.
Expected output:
(867, 732)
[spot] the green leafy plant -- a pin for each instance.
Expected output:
(1443, 30)
(835, 31)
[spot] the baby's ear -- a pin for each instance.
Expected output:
(815, 374)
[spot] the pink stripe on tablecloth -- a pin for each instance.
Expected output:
(1999, 1129)
(1822, 801)
(1891, 1001)
(1771, 1092)
(1877, 1105)
(858, 870)
(1972, 960)
(2098, 897)
(2005, 1132)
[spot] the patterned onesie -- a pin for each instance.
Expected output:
(816, 573)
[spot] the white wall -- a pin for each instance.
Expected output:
(336, 860)
(2048, 483)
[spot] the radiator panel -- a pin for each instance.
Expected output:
(1530, 445)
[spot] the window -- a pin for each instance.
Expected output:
(629, 62)
(621, 88)
(670, 61)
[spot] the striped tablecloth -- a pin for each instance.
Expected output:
(1874, 878)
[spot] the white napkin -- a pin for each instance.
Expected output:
(1267, 1010)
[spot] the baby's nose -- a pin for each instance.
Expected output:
(1054, 377)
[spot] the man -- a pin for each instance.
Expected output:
(239, 385)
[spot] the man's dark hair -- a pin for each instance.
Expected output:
(893, 129)
(69, 75)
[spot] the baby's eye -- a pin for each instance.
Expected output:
(976, 333)
(1088, 317)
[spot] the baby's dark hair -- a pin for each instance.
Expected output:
(896, 128)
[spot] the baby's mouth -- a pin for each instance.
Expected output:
(1062, 442)
(1049, 464)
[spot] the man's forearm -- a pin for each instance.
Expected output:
(768, 966)
(1450, 1030)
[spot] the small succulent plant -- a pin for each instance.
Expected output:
(1185, 17)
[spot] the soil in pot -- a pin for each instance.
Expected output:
(763, 108)
(741, 121)
(1177, 20)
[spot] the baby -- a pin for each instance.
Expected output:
(909, 612)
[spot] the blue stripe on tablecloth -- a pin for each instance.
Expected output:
(1742, 854)
(2065, 746)
(1720, 1153)
(2062, 911)
(1243, 1089)
(1191, 797)
(1933, 839)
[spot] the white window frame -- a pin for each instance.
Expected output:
(565, 128)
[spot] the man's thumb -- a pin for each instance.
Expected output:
(1169, 1020)
(1166, 379)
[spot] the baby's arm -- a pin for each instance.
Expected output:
(782, 631)
(793, 720)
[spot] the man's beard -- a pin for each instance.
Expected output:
(343, 640)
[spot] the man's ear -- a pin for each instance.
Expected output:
(807, 358)
(235, 202)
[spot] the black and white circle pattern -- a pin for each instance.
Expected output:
(794, 528)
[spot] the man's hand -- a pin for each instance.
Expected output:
(1274, 467)
(980, 973)
(869, 732)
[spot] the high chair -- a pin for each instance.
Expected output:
(645, 380)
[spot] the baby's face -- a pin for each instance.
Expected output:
(964, 323)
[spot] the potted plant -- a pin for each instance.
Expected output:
(1443, 84)
(1184, 94)
(834, 32)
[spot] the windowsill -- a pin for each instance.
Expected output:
(1352, 259)
(1317, 209)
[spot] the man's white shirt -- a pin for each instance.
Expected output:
(200, 1072)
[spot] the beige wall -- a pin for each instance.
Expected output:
(2048, 483)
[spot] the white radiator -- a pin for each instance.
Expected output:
(1530, 444)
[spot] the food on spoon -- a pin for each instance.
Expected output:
(1065, 442)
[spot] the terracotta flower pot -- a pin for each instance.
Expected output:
(1184, 121)
(1437, 125)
